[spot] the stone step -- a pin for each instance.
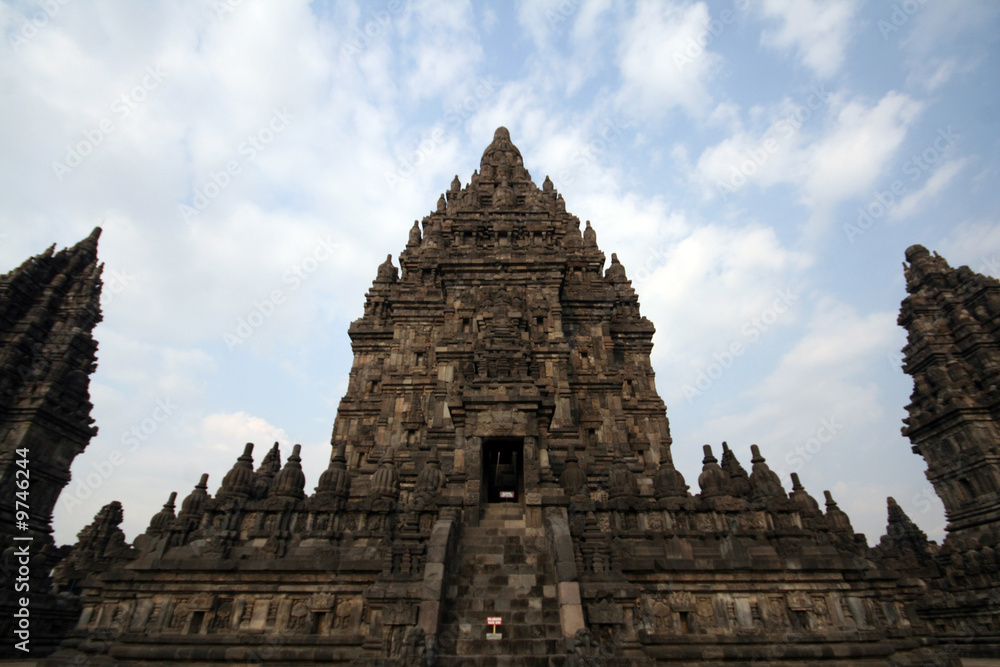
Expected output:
(485, 607)
(476, 617)
(503, 661)
(476, 541)
(513, 524)
(503, 509)
(508, 647)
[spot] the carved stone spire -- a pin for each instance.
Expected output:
(838, 519)
(103, 532)
(621, 480)
(806, 503)
(712, 480)
(903, 539)
(335, 482)
(739, 482)
(238, 482)
(669, 482)
(385, 480)
(49, 307)
(291, 481)
(264, 476)
(953, 355)
(615, 272)
(193, 504)
(431, 479)
(764, 482)
(162, 519)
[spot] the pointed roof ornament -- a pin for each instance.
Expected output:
(161, 520)
(387, 273)
(669, 482)
(335, 481)
(739, 481)
(385, 480)
(838, 519)
(239, 479)
(712, 480)
(799, 494)
(615, 272)
(764, 482)
(291, 481)
(502, 159)
(192, 505)
(88, 246)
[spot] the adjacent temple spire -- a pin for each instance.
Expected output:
(49, 306)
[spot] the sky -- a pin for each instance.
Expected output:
(759, 167)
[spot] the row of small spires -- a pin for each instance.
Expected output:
(727, 479)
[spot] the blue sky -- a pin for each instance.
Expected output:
(758, 167)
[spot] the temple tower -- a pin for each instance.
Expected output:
(952, 318)
(49, 307)
(502, 343)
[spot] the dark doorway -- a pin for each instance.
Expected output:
(502, 466)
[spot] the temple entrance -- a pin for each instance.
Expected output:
(503, 481)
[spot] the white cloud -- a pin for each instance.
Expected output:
(817, 30)
(226, 432)
(846, 159)
(938, 181)
(664, 60)
(932, 75)
(850, 158)
(443, 49)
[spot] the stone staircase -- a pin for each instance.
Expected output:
(505, 571)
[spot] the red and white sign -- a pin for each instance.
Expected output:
(507, 494)
(494, 620)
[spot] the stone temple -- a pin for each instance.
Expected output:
(502, 453)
